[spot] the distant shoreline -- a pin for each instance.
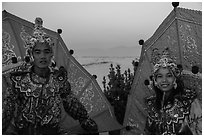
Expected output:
(100, 65)
(97, 63)
(88, 61)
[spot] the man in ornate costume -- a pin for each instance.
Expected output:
(174, 109)
(38, 93)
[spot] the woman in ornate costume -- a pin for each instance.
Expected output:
(174, 109)
(38, 93)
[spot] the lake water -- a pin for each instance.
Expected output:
(100, 65)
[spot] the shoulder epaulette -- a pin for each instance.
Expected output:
(61, 74)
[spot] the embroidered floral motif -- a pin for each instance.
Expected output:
(7, 49)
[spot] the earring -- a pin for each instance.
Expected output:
(175, 84)
(155, 83)
(52, 63)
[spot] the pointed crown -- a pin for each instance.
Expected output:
(38, 34)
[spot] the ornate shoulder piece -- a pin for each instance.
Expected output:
(20, 70)
(11, 67)
(61, 75)
(189, 95)
(16, 69)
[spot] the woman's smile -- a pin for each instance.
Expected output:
(165, 79)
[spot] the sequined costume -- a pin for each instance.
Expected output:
(32, 104)
(183, 116)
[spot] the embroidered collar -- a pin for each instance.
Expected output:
(37, 79)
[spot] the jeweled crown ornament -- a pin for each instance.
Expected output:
(38, 34)
(165, 61)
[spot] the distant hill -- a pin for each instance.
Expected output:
(111, 52)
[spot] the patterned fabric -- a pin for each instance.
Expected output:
(32, 103)
(180, 117)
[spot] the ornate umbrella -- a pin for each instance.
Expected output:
(180, 34)
(16, 31)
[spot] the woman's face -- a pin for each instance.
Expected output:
(165, 79)
(42, 55)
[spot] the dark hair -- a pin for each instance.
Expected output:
(174, 93)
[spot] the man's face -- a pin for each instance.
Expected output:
(42, 55)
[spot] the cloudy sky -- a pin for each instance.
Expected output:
(100, 24)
